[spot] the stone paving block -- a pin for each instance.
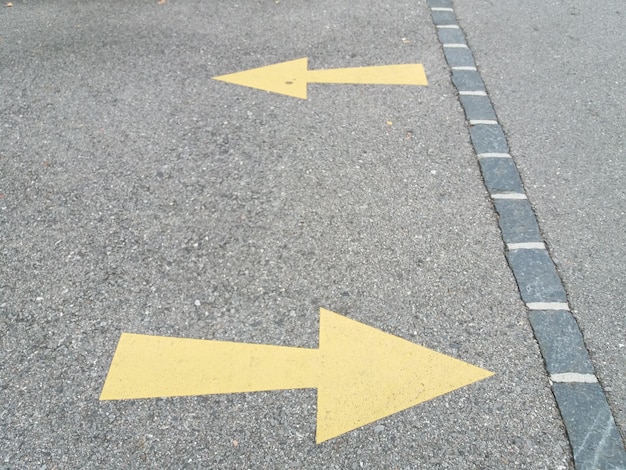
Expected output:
(459, 57)
(596, 442)
(488, 139)
(500, 175)
(444, 17)
(451, 36)
(560, 341)
(517, 221)
(478, 108)
(467, 80)
(536, 276)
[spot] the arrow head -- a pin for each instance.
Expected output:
(286, 78)
(367, 374)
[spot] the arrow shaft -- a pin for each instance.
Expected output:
(401, 74)
(154, 366)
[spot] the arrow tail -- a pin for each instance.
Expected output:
(400, 74)
(155, 366)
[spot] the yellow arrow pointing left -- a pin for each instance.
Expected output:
(361, 374)
(291, 78)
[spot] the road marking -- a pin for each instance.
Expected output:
(465, 67)
(361, 374)
(573, 377)
(292, 77)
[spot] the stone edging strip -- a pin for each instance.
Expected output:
(594, 438)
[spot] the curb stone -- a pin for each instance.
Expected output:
(594, 438)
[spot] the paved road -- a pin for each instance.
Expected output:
(139, 195)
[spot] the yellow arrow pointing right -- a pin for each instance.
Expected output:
(361, 374)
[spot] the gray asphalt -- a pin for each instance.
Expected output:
(139, 195)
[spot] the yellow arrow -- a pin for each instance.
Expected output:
(361, 374)
(291, 78)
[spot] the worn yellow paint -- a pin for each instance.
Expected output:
(361, 374)
(292, 77)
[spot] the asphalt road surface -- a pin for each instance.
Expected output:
(139, 195)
